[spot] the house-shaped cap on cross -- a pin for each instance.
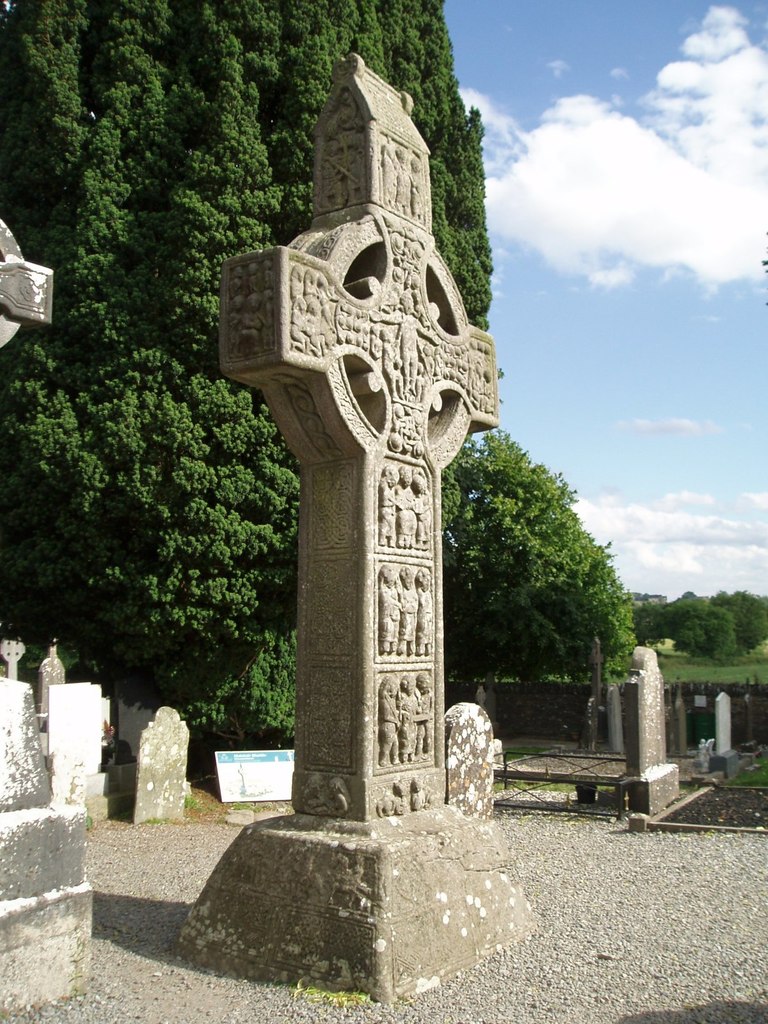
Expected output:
(368, 150)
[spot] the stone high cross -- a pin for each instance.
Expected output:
(358, 337)
(26, 290)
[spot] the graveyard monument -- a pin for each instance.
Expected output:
(26, 290)
(357, 335)
(656, 782)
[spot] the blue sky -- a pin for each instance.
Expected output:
(626, 155)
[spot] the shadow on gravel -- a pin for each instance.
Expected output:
(146, 927)
(707, 1013)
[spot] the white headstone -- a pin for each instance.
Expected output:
(722, 723)
(75, 725)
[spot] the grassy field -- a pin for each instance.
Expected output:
(677, 667)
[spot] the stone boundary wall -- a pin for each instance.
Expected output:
(556, 710)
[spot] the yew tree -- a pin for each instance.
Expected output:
(148, 508)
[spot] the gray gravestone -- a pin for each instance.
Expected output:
(656, 782)
(680, 724)
(358, 338)
(161, 780)
(45, 901)
(50, 673)
(725, 759)
(615, 724)
(469, 760)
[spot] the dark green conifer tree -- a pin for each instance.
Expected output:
(148, 507)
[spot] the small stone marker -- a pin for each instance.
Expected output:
(161, 780)
(657, 782)
(615, 724)
(358, 337)
(469, 760)
(749, 715)
(12, 651)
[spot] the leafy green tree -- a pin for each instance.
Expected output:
(148, 505)
(649, 622)
(700, 628)
(526, 587)
(750, 617)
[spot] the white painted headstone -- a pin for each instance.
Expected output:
(722, 723)
(75, 724)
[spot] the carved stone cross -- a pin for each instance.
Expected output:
(26, 290)
(358, 337)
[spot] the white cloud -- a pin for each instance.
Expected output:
(673, 425)
(599, 193)
(659, 548)
(619, 73)
(757, 500)
(558, 67)
(679, 499)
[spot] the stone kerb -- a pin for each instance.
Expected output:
(161, 779)
(656, 782)
(469, 760)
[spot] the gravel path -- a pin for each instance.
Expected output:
(632, 929)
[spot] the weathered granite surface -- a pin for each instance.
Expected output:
(469, 760)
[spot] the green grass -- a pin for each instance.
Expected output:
(678, 667)
(318, 995)
(756, 778)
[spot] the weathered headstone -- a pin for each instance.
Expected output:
(469, 760)
(26, 290)
(749, 715)
(615, 724)
(45, 901)
(725, 759)
(657, 781)
(161, 781)
(680, 724)
(358, 337)
(596, 664)
(50, 673)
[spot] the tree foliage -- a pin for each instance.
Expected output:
(148, 508)
(526, 588)
(721, 627)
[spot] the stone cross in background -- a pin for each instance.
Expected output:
(12, 651)
(26, 290)
(596, 662)
(358, 337)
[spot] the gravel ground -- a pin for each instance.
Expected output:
(634, 928)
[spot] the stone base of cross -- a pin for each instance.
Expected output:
(357, 336)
